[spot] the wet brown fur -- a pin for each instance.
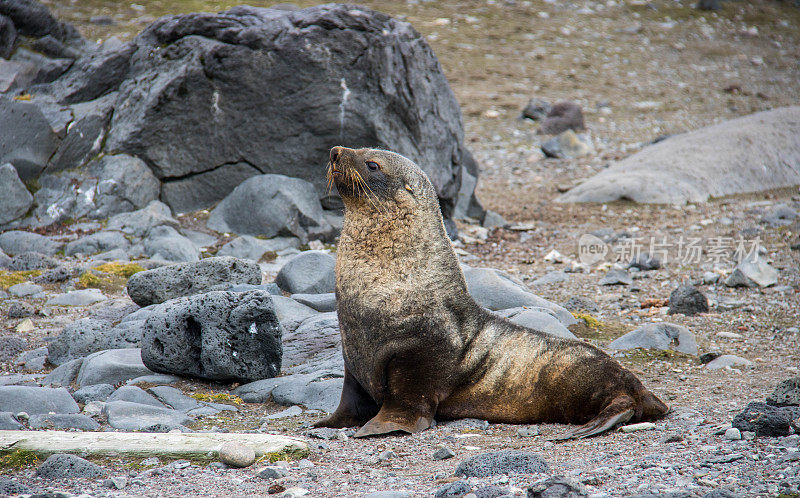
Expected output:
(415, 344)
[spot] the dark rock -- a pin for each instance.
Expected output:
(765, 420)
(56, 275)
(51, 47)
(16, 76)
(786, 393)
(96, 392)
(557, 487)
(508, 462)
(310, 272)
(290, 313)
(562, 117)
(688, 301)
(645, 262)
(8, 39)
(17, 242)
(493, 492)
(443, 453)
(62, 421)
(218, 335)
(82, 142)
(205, 189)
(65, 466)
(28, 261)
(455, 489)
(64, 374)
(89, 335)
(34, 19)
(128, 416)
(277, 205)
(185, 279)
(34, 400)
(222, 62)
(11, 346)
(94, 75)
(661, 336)
(709, 4)
(112, 367)
(536, 109)
(29, 144)
(15, 200)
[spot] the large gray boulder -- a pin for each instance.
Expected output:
(317, 341)
(104, 240)
(748, 154)
(28, 144)
(15, 200)
(218, 335)
(275, 205)
(128, 416)
(124, 184)
(168, 282)
(166, 244)
(140, 223)
(198, 80)
(17, 242)
(31, 400)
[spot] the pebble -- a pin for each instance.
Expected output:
(733, 434)
(236, 455)
(272, 472)
(528, 431)
(643, 426)
(443, 453)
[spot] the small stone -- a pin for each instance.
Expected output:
(728, 361)
(567, 145)
(20, 310)
(786, 393)
(502, 462)
(754, 272)
(645, 262)
(115, 483)
(63, 466)
(616, 277)
(536, 109)
(643, 426)
(443, 453)
(272, 472)
(455, 489)
(529, 431)
(560, 487)
(710, 278)
(236, 455)
(687, 300)
(295, 492)
(733, 434)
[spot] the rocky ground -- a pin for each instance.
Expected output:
(638, 70)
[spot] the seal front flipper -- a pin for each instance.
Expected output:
(619, 411)
(393, 418)
(356, 406)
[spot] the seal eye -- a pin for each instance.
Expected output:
(373, 166)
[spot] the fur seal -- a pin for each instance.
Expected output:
(415, 344)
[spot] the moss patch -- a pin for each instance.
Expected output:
(284, 455)
(125, 270)
(18, 459)
(589, 327)
(9, 278)
(218, 398)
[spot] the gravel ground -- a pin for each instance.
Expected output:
(639, 70)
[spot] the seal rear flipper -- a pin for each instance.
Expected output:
(356, 406)
(619, 411)
(390, 420)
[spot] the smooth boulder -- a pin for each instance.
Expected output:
(660, 336)
(15, 200)
(310, 272)
(169, 282)
(218, 335)
(747, 154)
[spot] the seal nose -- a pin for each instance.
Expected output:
(335, 153)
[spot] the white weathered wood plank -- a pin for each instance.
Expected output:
(205, 445)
